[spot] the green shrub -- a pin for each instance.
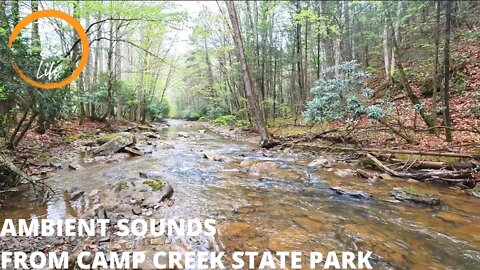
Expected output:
(191, 115)
(343, 96)
(225, 120)
(158, 110)
(217, 112)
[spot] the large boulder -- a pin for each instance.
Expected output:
(114, 145)
(410, 195)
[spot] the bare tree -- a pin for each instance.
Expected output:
(255, 111)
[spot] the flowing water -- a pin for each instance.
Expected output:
(295, 211)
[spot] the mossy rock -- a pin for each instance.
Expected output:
(120, 186)
(410, 194)
(105, 138)
(72, 137)
(155, 184)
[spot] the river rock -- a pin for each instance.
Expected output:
(321, 162)
(451, 217)
(75, 193)
(351, 193)
(74, 166)
(217, 157)
(344, 173)
(183, 135)
(259, 168)
(150, 135)
(476, 191)
(312, 225)
(120, 141)
(132, 151)
(235, 230)
(409, 195)
(146, 128)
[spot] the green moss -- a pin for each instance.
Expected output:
(72, 137)
(155, 184)
(477, 188)
(412, 191)
(450, 160)
(143, 127)
(120, 186)
(105, 138)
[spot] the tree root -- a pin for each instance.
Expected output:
(40, 189)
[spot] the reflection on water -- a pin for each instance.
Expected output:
(281, 214)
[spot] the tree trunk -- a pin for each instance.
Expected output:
(266, 139)
(386, 50)
(446, 88)
(435, 74)
(396, 33)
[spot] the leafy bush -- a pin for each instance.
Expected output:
(191, 115)
(343, 96)
(224, 120)
(158, 110)
(217, 112)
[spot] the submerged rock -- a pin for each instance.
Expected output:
(313, 225)
(166, 146)
(217, 157)
(183, 134)
(120, 141)
(351, 193)
(410, 195)
(259, 168)
(289, 239)
(75, 193)
(265, 170)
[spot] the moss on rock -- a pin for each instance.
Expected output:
(155, 184)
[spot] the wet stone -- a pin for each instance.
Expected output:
(351, 193)
(410, 195)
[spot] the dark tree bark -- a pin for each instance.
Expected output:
(446, 88)
(435, 74)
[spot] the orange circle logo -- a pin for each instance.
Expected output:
(78, 28)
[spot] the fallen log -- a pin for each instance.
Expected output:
(438, 165)
(443, 175)
(392, 151)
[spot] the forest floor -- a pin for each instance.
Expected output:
(464, 107)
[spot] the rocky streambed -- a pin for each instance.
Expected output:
(278, 200)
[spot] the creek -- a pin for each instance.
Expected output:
(295, 210)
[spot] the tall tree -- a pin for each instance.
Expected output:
(255, 111)
(446, 88)
(435, 74)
